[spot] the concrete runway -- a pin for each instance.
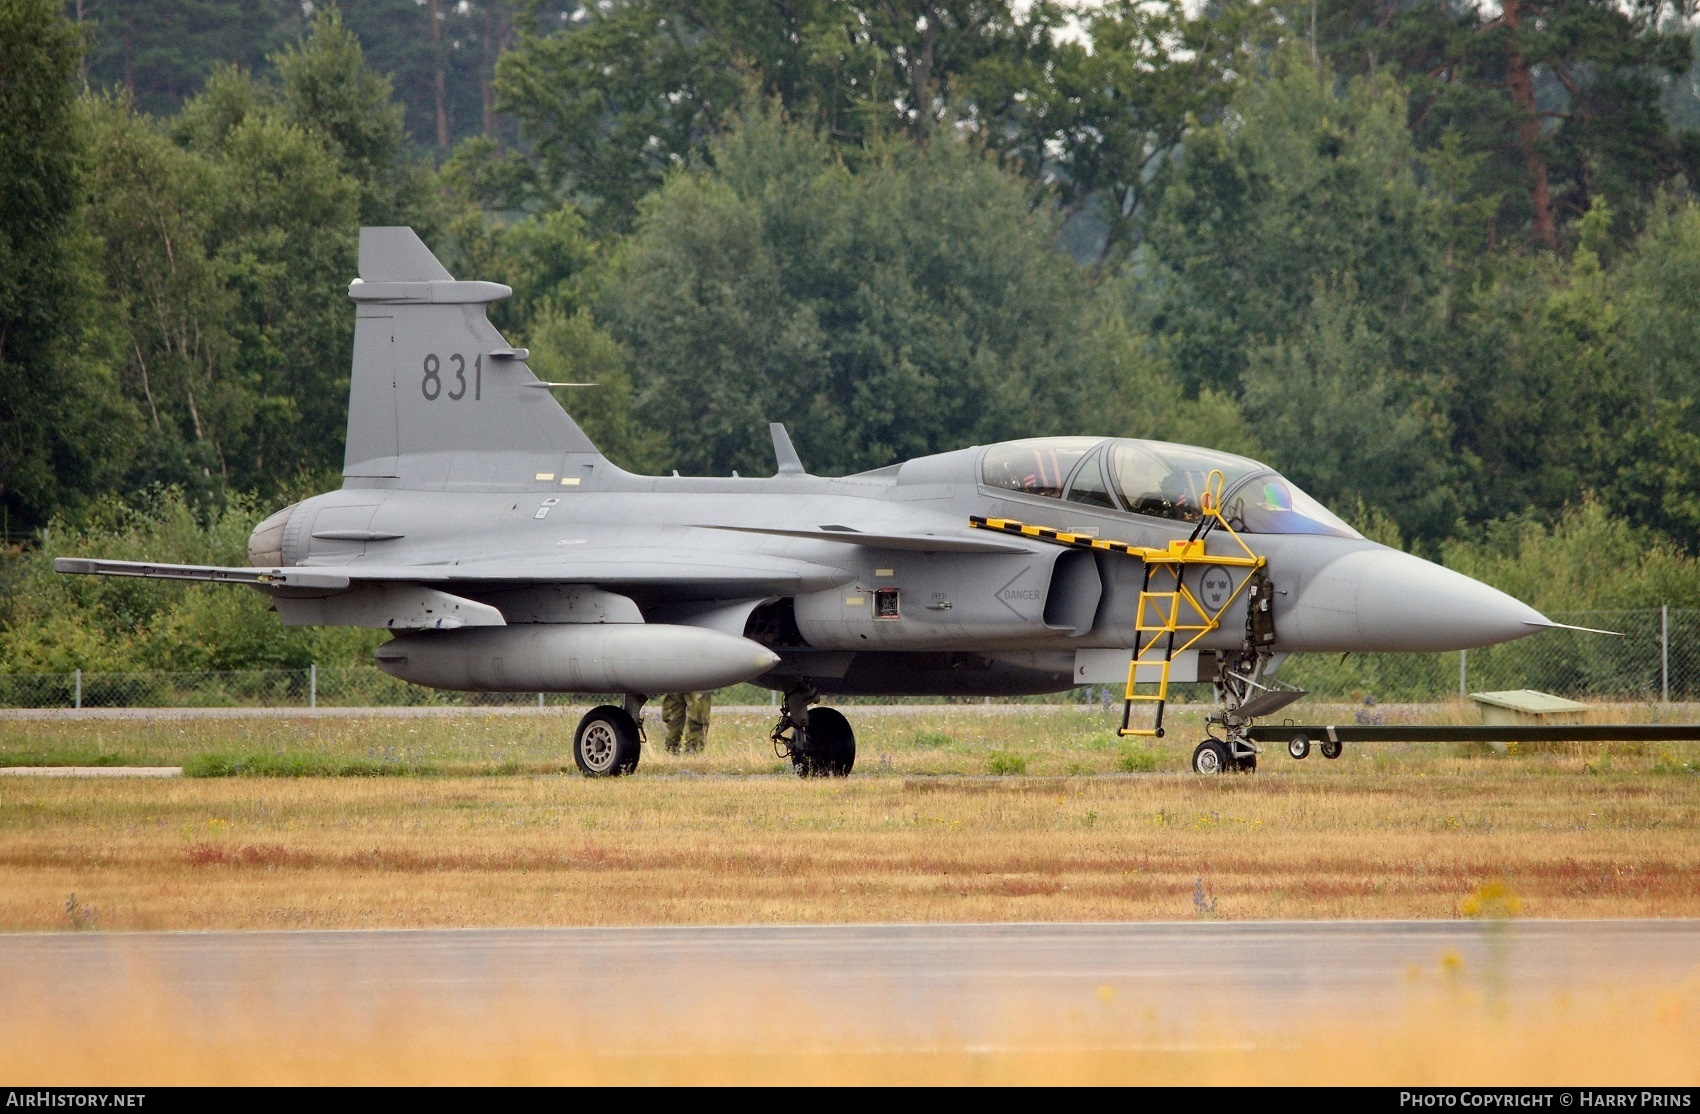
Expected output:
(879, 986)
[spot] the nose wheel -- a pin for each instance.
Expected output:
(1231, 755)
(1210, 757)
(1218, 756)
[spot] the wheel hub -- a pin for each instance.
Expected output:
(598, 746)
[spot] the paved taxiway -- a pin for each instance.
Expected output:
(1125, 984)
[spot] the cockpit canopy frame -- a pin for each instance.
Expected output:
(1156, 479)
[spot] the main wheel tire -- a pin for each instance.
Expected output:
(606, 743)
(1331, 749)
(1298, 746)
(1244, 764)
(1211, 757)
(830, 749)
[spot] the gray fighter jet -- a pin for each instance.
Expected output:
(479, 524)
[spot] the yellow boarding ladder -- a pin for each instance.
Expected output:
(1164, 616)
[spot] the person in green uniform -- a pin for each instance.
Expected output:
(686, 716)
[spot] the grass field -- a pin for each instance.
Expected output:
(481, 827)
(959, 814)
(968, 739)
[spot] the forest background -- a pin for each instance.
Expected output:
(1436, 260)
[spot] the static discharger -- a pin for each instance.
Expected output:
(1162, 616)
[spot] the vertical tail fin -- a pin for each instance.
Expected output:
(437, 397)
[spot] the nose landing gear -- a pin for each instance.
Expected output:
(1224, 756)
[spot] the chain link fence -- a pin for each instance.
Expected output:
(1654, 655)
(1651, 655)
(314, 687)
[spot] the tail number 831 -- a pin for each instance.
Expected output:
(431, 386)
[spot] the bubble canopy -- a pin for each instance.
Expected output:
(1156, 479)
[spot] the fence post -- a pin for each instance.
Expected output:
(79, 689)
(1463, 687)
(313, 685)
(540, 700)
(1664, 651)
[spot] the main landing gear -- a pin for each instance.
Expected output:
(818, 741)
(609, 739)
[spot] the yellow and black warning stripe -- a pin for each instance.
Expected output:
(1180, 551)
(1045, 533)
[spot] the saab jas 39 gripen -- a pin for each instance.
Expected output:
(480, 525)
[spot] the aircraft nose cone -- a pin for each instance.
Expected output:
(1392, 601)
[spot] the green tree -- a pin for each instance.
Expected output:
(1658, 281)
(228, 254)
(1305, 185)
(439, 54)
(1654, 454)
(51, 623)
(1341, 420)
(1541, 394)
(544, 258)
(629, 90)
(1563, 95)
(326, 88)
(284, 235)
(1103, 115)
(911, 304)
(149, 204)
(570, 348)
(1577, 378)
(63, 430)
(1588, 558)
(159, 55)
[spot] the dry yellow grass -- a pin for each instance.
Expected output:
(1625, 1037)
(1371, 837)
